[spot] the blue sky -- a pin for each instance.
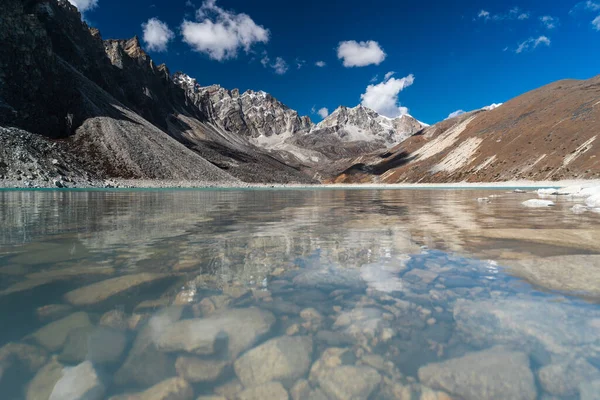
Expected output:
(445, 55)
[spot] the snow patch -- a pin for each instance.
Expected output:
(489, 161)
(579, 151)
(443, 141)
(459, 157)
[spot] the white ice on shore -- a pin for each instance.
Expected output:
(547, 192)
(536, 203)
(593, 201)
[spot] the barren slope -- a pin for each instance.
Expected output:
(547, 134)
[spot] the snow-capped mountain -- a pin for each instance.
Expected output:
(363, 124)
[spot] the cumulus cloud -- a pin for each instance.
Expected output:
(220, 33)
(320, 64)
(280, 66)
(596, 23)
(549, 22)
(360, 54)
(323, 112)
(84, 5)
(157, 35)
(383, 97)
(532, 43)
(300, 63)
(456, 113)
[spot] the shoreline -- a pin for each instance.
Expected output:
(123, 184)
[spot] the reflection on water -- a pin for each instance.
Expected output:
(316, 294)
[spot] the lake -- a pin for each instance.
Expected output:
(300, 294)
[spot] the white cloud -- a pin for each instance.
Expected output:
(492, 106)
(388, 75)
(383, 97)
(456, 113)
(157, 35)
(484, 14)
(300, 63)
(532, 43)
(323, 112)
(189, 3)
(220, 33)
(549, 22)
(596, 23)
(320, 64)
(360, 54)
(280, 66)
(514, 13)
(84, 5)
(588, 5)
(265, 60)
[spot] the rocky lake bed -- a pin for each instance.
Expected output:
(248, 295)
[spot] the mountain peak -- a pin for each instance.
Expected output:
(361, 123)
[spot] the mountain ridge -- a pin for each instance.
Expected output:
(114, 113)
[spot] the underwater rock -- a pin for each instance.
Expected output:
(54, 335)
(284, 359)
(496, 373)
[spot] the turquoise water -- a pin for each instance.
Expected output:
(316, 294)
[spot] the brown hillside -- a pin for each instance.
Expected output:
(547, 134)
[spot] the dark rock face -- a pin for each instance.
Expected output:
(122, 116)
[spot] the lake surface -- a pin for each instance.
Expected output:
(300, 294)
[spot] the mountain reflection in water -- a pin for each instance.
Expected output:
(307, 294)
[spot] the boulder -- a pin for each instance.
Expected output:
(589, 391)
(271, 391)
(194, 369)
(559, 329)
(234, 330)
(54, 335)
(32, 358)
(340, 381)
(79, 383)
(564, 378)
(170, 389)
(42, 384)
(577, 274)
(145, 365)
(496, 373)
(101, 291)
(284, 359)
(100, 345)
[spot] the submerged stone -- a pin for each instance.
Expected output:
(79, 383)
(284, 359)
(145, 365)
(339, 381)
(42, 384)
(565, 378)
(271, 391)
(234, 330)
(104, 290)
(530, 324)
(54, 335)
(496, 373)
(194, 369)
(579, 274)
(170, 389)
